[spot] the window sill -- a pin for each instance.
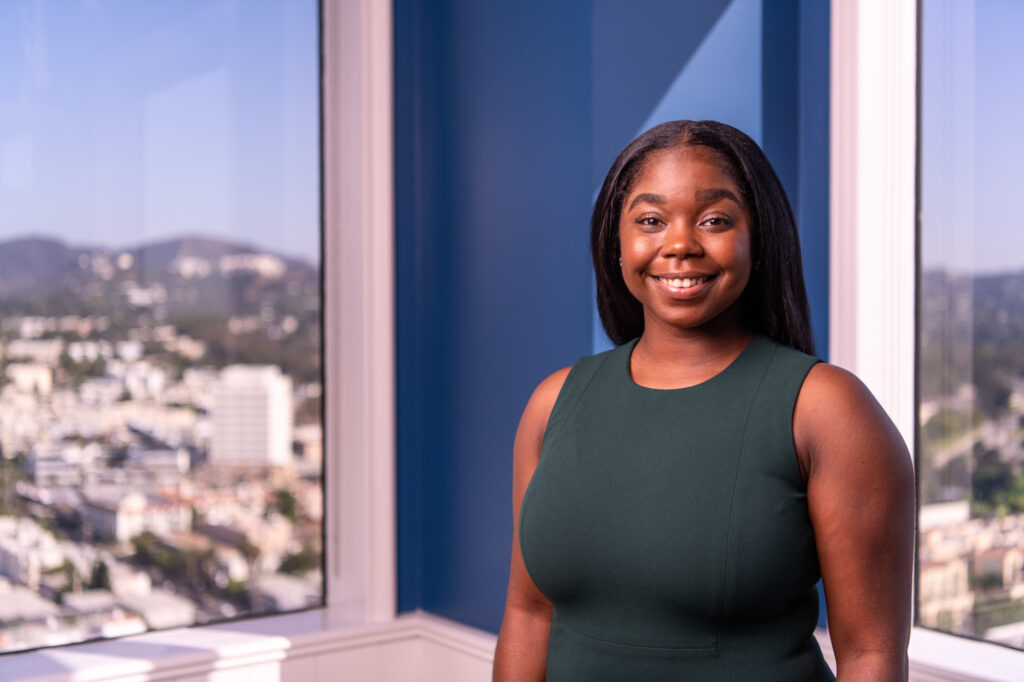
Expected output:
(294, 646)
(189, 651)
(936, 656)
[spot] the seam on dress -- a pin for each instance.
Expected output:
(736, 475)
(708, 649)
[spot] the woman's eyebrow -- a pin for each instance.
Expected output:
(716, 194)
(649, 198)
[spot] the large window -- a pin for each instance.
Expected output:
(971, 330)
(160, 319)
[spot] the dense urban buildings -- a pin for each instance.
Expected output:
(159, 463)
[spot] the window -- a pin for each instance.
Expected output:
(358, 402)
(971, 329)
(161, 383)
(873, 285)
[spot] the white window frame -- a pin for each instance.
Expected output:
(359, 279)
(358, 262)
(873, 254)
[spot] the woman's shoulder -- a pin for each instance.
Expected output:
(837, 416)
(542, 400)
(534, 421)
(835, 389)
(834, 399)
(547, 390)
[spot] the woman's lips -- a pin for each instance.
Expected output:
(683, 287)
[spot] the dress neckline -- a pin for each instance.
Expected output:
(728, 369)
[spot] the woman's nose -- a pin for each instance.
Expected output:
(682, 241)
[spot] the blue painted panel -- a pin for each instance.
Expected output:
(722, 80)
(493, 272)
(519, 201)
(812, 202)
(640, 47)
(780, 117)
(507, 117)
(423, 264)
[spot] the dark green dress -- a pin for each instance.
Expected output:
(670, 529)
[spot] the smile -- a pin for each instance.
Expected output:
(682, 282)
(691, 287)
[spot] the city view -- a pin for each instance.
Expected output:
(971, 524)
(970, 449)
(161, 436)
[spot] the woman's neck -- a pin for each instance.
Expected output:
(669, 357)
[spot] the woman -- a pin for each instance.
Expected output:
(678, 498)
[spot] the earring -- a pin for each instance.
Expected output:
(620, 261)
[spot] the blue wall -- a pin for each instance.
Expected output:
(507, 117)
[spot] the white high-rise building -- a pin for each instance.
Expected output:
(251, 413)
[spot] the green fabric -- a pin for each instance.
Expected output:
(670, 529)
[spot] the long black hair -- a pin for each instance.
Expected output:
(775, 300)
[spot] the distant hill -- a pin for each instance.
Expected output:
(197, 276)
(162, 254)
(27, 263)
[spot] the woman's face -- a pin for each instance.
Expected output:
(685, 239)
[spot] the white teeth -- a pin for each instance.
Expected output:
(685, 282)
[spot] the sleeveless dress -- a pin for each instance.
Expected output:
(669, 528)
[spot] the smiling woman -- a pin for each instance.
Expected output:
(685, 240)
(679, 497)
(776, 301)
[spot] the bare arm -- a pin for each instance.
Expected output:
(523, 640)
(860, 492)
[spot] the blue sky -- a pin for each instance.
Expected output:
(972, 136)
(126, 122)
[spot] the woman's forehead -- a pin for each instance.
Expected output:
(684, 168)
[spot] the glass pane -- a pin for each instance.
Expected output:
(160, 324)
(971, 334)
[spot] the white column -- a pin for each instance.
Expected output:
(872, 198)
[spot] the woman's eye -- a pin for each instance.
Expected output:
(648, 221)
(716, 221)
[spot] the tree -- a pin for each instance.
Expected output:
(250, 551)
(67, 570)
(991, 477)
(286, 504)
(301, 562)
(100, 578)
(145, 544)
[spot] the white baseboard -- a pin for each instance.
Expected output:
(414, 647)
